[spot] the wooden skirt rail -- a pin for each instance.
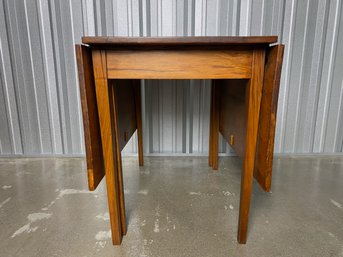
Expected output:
(179, 64)
(245, 75)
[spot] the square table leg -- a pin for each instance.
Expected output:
(210, 154)
(118, 159)
(138, 104)
(104, 95)
(254, 103)
(214, 126)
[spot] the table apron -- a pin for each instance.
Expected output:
(179, 64)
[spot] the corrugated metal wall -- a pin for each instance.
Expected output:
(39, 98)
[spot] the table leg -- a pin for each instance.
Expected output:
(121, 194)
(138, 104)
(211, 129)
(104, 95)
(254, 103)
(118, 161)
(214, 126)
(210, 157)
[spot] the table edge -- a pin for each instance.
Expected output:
(179, 41)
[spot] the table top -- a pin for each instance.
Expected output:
(178, 41)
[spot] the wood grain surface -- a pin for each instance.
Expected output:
(104, 94)
(254, 103)
(125, 110)
(233, 112)
(246, 75)
(214, 126)
(94, 158)
(138, 105)
(178, 41)
(192, 64)
(267, 123)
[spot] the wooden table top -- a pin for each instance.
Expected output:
(178, 41)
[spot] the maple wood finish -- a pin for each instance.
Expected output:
(245, 72)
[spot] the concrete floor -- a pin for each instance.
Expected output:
(175, 207)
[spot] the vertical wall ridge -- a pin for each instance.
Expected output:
(40, 103)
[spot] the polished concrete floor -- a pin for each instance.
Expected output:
(176, 206)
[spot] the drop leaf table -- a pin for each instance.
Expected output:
(245, 74)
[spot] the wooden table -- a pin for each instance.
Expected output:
(245, 73)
